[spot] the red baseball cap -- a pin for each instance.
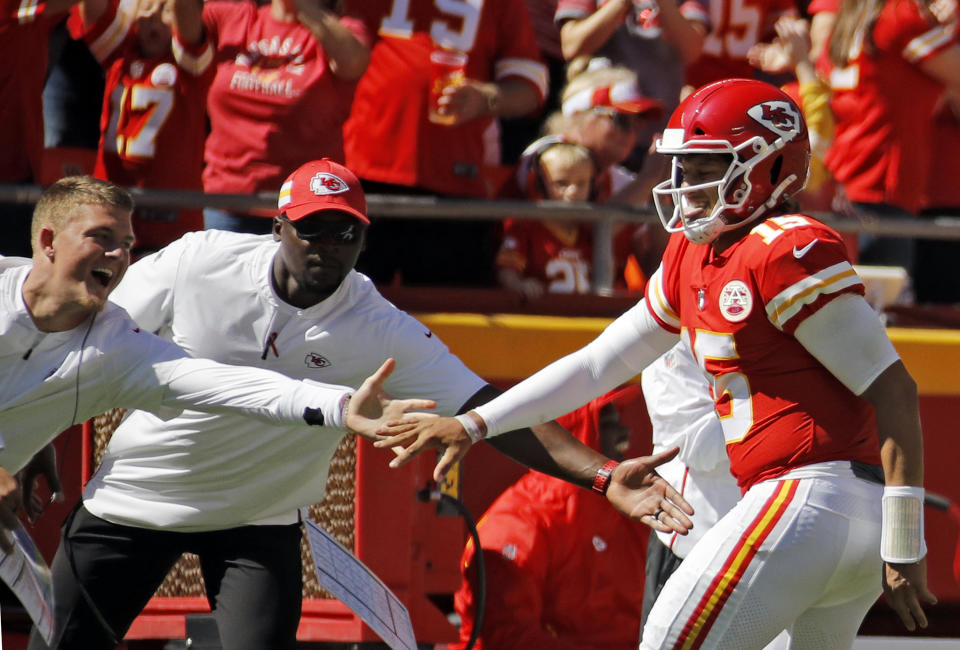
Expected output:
(322, 185)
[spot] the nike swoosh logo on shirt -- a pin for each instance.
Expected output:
(800, 252)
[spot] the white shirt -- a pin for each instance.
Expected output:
(211, 293)
(50, 381)
(682, 414)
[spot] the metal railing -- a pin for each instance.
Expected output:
(604, 217)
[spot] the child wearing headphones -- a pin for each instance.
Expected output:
(538, 257)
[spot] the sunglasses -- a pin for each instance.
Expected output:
(626, 122)
(335, 232)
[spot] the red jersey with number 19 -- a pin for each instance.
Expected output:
(389, 137)
(779, 407)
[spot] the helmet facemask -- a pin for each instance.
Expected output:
(733, 207)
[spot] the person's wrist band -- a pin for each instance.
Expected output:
(602, 480)
(901, 532)
(342, 410)
(470, 426)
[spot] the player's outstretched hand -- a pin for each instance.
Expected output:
(43, 464)
(639, 492)
(905, 585)
(371, 407)
(10, 500)
(429, 433)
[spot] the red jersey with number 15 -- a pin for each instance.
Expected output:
(779, 407)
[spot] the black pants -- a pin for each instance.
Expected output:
(253, 578)
(660, 565)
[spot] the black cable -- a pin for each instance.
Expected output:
(76, 393)
(481, 594)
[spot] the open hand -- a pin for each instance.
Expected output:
(371, 407)
(905, 585)
(10, 500)
(639, 492)
(426, 433)
(43, 464)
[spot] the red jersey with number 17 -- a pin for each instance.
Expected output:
(153, 122)
(779, 407)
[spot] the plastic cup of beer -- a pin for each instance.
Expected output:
(446, 69)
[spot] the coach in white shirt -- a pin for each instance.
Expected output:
(210, 484)
(67, 354)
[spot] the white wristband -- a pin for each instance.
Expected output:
(901, 536)
(470, 426)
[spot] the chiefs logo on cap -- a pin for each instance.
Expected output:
(324, 183)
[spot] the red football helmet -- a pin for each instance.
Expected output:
(764, 133)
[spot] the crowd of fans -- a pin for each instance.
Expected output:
(227, 96)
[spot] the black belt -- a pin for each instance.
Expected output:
(868, 472)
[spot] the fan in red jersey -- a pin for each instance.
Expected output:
(395, 148)
(882, 52)
(817, 409)
(538, 257)
(286, 73)
(153, 123)
(25, 27)
(735, 27)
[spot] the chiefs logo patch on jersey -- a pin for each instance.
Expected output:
(314, 360)
(324, 183)
(779, 116)
(164, 74)
(599, 544)
(735, 301)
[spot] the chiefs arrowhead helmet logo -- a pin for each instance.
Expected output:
(779, 116)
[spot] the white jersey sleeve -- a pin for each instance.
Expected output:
(147, 288)
(682, 412)
(847, 337)
(156, 375)
(623, 349)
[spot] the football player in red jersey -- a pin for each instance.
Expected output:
(817, 409)
(158, 64)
